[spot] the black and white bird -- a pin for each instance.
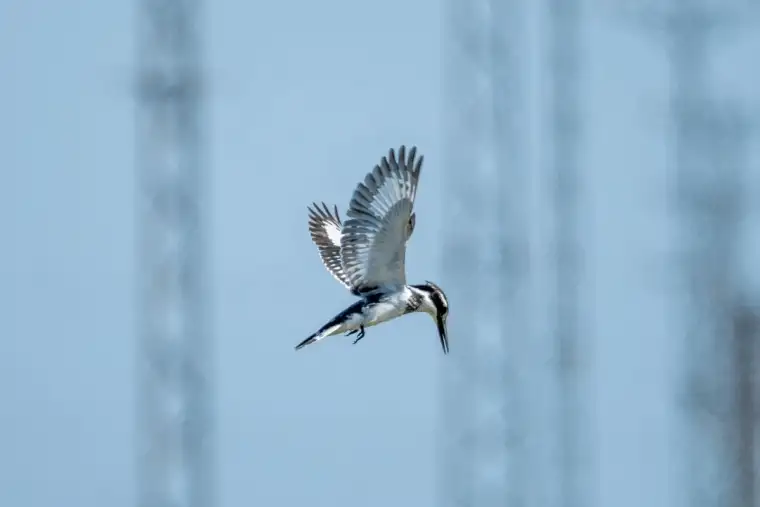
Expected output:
(367, 252)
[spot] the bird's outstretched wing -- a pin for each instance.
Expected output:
(325, 229)
(380, 221)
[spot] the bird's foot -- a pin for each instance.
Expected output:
(361, 334)
(352, 332)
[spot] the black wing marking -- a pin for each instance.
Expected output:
(326, 232)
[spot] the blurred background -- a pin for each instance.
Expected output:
(588, 203)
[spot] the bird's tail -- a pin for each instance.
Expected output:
(326, 330)
(311, 339)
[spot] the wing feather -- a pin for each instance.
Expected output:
(326, 232)
(380, 221)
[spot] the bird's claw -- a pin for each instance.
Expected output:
(361, 334)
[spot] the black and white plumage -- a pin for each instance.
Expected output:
(367, 252)
(326, 230)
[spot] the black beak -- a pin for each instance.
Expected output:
(442, 334)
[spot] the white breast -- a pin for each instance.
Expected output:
(390, 309)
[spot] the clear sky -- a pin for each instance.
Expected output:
(305, 98)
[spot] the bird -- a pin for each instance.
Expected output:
(366, 253)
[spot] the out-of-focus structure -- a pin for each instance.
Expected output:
(710, 149)
(174, 361)
(565, 126)
(746, 406)
(486, 255)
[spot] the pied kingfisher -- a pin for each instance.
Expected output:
(366, 254)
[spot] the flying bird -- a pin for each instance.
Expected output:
(367, 252)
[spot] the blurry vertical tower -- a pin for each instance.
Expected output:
(710, 150)
(565, 125)
(485, 255)
(174, 361)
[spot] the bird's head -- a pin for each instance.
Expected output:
(435, 304)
